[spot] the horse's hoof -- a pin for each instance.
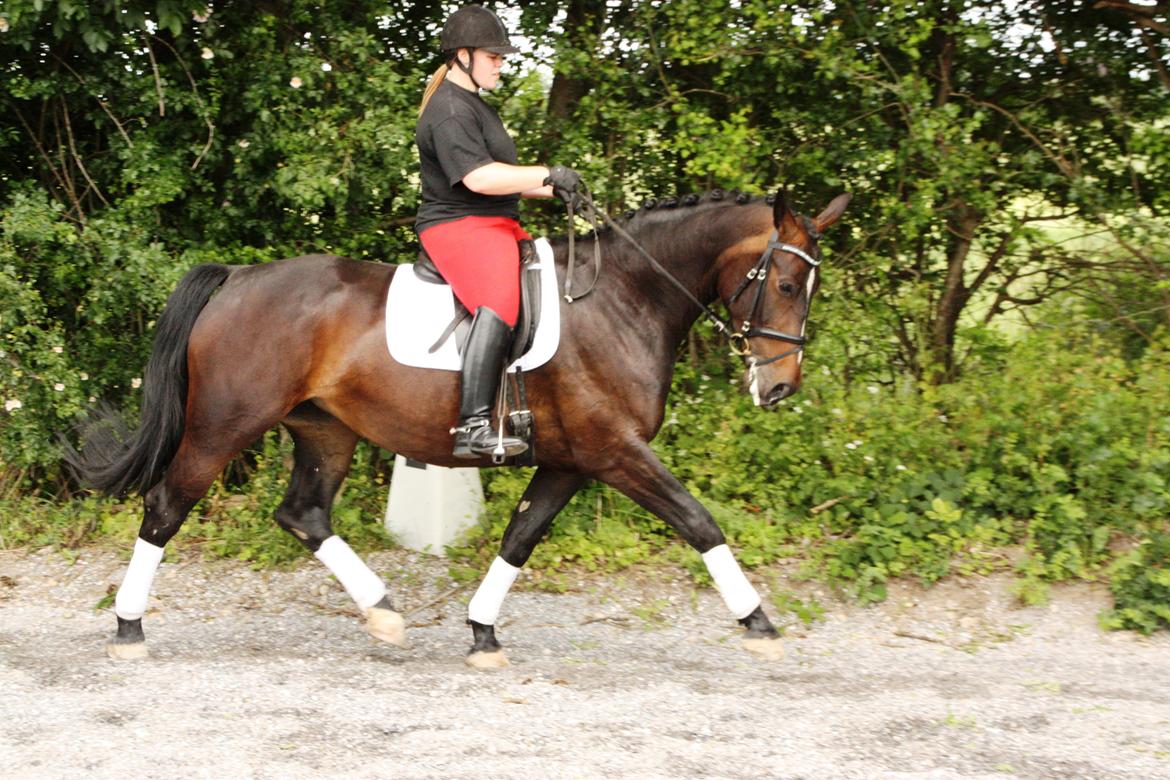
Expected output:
(766, 648)
(387, 625)
(481, 659)
(127, 651)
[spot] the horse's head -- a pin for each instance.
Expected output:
(769, 300)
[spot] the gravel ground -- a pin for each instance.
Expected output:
(270, 675)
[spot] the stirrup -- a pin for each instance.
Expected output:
(475, 438)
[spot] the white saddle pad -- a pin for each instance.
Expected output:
(418, 312)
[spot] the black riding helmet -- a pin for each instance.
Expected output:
(475, 27)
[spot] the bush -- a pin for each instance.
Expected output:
(1140, 583)
(1057, 444)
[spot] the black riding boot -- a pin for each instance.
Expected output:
(483, 360)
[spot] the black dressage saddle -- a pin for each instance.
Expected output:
(525, 331)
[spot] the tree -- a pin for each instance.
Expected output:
(966, 127)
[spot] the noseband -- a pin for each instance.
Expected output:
(739, 340)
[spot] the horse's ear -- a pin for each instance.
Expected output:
(832, 212)
(783, 215)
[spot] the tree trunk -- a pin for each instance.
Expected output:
(955, 294)
(584, 21)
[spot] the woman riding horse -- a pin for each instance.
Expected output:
(302, 343)
(468, 219)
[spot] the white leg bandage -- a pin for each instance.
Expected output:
(130, 603)
(738, 594)
(363, 586)
(485, 604)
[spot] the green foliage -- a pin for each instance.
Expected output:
(1141, 587)
(807, 612)
(228, 523)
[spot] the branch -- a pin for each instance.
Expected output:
(658, 64)
(198, 99)
(990, 266)
(1065, 167)
(1155, 58)
(158, 87)
(1155, 26)
(100, 102)
(77, 158)
(70, 187)
(1133, 9)
(40, 149)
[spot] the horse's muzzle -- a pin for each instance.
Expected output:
(777, 394)
(766, 396)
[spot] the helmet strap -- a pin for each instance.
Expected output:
(467, 68)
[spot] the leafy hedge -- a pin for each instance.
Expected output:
(1052, 451)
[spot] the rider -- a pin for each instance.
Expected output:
(468, 219)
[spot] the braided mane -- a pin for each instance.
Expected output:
(694, 199)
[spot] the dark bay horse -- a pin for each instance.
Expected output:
(301, 343)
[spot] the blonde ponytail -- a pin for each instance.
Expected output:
(436, 80)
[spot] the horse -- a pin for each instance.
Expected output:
(300, 342)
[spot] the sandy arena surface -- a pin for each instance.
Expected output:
(271, 675)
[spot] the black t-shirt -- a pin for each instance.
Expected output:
(457, 133)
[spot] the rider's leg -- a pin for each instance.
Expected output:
(483, 361)
(479, 258)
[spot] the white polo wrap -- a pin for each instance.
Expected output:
(363, 586)
(738, 594)
(130, 603)
(485, 604)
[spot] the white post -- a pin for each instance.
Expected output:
(430, 506)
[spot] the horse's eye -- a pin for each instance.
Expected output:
(788, 288)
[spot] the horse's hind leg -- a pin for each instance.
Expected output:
(322, 454)
(545, 496)
(194, 467)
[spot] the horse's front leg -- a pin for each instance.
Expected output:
(642, 477)
(546, 494)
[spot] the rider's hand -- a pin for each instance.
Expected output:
(565, 182)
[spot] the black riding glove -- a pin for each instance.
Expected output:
(565, 182)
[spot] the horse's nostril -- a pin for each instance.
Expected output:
(780, 392)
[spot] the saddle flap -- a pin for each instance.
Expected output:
(524, 334)
(530, 295)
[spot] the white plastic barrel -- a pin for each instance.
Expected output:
(430, 506)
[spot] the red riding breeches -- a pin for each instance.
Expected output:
(479, 258)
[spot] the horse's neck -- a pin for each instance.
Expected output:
(688, 250)
(687, 243)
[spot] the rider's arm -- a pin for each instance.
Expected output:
(497, 178)
(540, 192)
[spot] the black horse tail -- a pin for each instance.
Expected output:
(114, 461)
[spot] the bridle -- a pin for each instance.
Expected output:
(738, 338)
